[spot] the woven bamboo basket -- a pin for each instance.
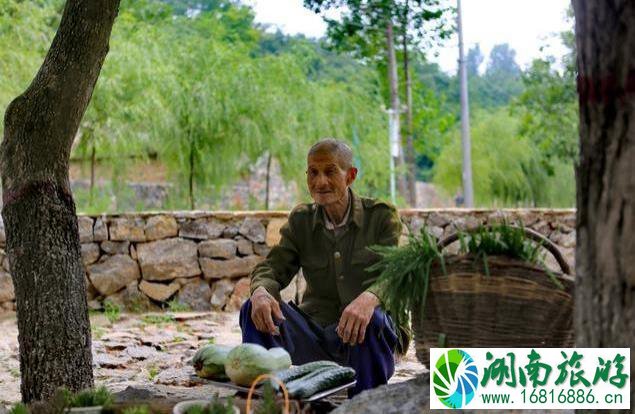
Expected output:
(516, 305)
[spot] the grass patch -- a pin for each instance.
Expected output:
(112, 311)
(157, 319)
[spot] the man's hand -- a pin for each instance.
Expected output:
(355, 318)
(263, 306)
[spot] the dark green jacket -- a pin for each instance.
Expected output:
(334, 267)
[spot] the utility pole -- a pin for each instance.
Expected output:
(393, 144)
(468, 191)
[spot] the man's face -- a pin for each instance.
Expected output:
(328, 182)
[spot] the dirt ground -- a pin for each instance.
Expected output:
(147, 350)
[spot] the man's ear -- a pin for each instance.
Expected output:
(351, 174)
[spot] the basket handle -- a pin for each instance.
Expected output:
(532, 234)
(261, 377)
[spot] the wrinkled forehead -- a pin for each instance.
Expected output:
(324, 158)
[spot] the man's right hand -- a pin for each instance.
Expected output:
(264, 307)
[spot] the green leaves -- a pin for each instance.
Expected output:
(404, 272)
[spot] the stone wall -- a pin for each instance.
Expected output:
(201, 260)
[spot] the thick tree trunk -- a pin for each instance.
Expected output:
(39, 213)
(394, 103)
(605, 256)
(410, 148)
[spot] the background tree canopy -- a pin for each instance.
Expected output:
(200, 88)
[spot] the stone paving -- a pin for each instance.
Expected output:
(149, 353)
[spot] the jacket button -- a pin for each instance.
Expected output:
(337, 255)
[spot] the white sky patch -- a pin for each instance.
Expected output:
(527, 25)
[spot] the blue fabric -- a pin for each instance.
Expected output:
(306, 341)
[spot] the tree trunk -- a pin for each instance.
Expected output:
(93, 161)
(191, 177)
(605, 255)
(268, 179)
(39, 212)
(410, 149)
(394, 103)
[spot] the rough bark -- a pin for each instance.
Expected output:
(39, 213)
(394, 103)
(605, 255)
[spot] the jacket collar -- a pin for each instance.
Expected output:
(356, 214)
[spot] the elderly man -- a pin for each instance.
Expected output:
(339, 318)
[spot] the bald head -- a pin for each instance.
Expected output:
(339, 149)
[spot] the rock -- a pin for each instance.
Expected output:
(542, 227)
(497, 217)
(231, 231)
(91, 292)
(133, 300)
(85, 225)
(7, 293)
(196, 295)
(217, 249)
(110, 361)
(217, 269)
(412, 396)
(90, 253)
(168, 259)
(220, 293)
(161, 227)
(261, 249)
(141, 352)
(134, 392)
(201, 229)
(100, 230)
(569, 221)
(182, 281)
(159, 291)
(5, 264)
(240, 294)
(416, 224)
(183, 377)
(273, 231)
(3, 237)
(95, 305)
(564, 240)
(244, 246)
(133, 252)
(437, 220)
(437, 232)
(253, 230)
(138, 392)
(406, 397)
(527, 218)
(114, 247)
(113, 273)
(127, 229)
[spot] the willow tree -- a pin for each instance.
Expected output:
(605, 256)
(38, 208)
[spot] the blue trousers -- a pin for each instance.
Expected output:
(306, 341)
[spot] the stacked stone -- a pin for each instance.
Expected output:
(201, 261)
(556, 225)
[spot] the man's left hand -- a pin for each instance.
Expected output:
(355, 318)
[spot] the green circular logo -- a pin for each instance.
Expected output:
(455, 378)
